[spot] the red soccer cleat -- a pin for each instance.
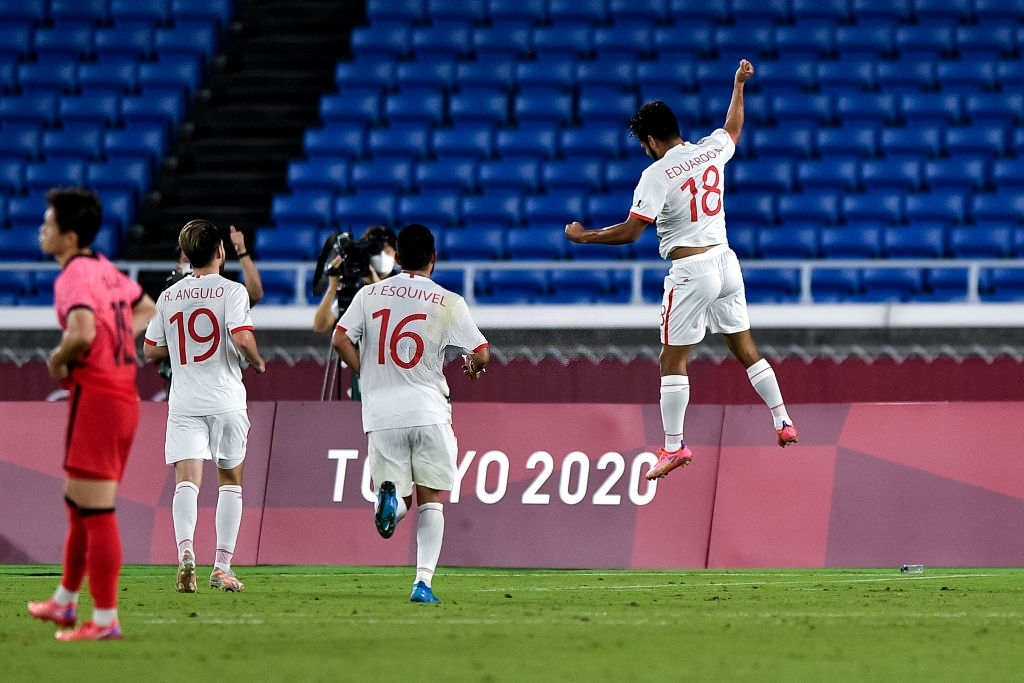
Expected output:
(48, 610)
(668, 461)
(90, 630)
(787, 434)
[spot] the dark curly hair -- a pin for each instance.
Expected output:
(415, 246)
(654, 119)
(78, 210)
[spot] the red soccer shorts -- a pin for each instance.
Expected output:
(101, 428)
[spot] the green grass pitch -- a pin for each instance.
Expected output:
(356, 624)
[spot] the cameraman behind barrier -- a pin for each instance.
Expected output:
(343, 267)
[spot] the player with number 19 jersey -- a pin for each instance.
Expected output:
(402, 326)
(683, 192)
(195, 318)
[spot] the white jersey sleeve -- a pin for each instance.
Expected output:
(403, 326)
(684, 192)
(195, 319)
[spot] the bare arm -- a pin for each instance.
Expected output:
(245, 341)
(735, 115)
(80, 333)
(346, 350)
(626, 232)
(474, 364)
(154, 353)
(142, 312)
(250, 273)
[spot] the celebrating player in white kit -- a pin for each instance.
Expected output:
(203, 326)
(683, 190)
(402, 326)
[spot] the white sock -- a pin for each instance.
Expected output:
(675, 396)
(62, 596)
(185, 512)
(401, 511)
(429, 534)
(762, 378)
(104, 617)
(229, 519)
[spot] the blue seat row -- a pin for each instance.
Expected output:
(166, 106)
(120, 75)
(103, 11)
(22, 144)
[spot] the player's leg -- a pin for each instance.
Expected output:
(228, 441)
(434, 451)
(186, 448)
(62, 607)
(389, 459)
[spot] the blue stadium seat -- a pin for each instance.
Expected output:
(603, 210)
(172, 71)
(447, 175)
(92, 110)
(896, 174)
(532, 140)
(652, 286)
(610, 74)
(1018, 141)
(578, 286)
(489, 75)
(21, 242)
(399, 141)
(69, 40)
(321, 175)
(851, 141)
(683, 41)
(772, 285)
(474, 244)
(296, 242)
(817, 207)
(580, 175)
(998, 109)
(434, 209)
(515, 286)
(38, 108)
(419, 106)
(794, 142)
(119, 207)
(534, 11)
(830, 174)
(755, 208)
(830, 285)
(867, 41)
(803, 109)
(1003, 205)
(434, 74)
(955, 174)
(1017, 241)
(606, 105)
(547, 75)
(510, 173)
(1008, 173)
(889, 10)
(985, 41)
(166, 106)
(932, 108)
(907, 75)
(591, 142)
(15, 38)
(491, 208)
(340, 141)
(120, 174)
(671, 76)
(308, 208)
(789, 76)
(452, 280)
(754, 39)
(787, 241)
(506, 41)
(702, 12)
(981, 241)
(567, 39)
(467, 141)
(125, 41)
(873, 207)
(945, 284)
(649, 11)
(116, 76)
(96, 11)
(14, 286)
(553, 209)
(278, 285)
(866, 108)
(353, 212)
(776, 11)
(383, 40)
(153, 11)
(891, 284)
(623, 42)
(12, 181)
(863, 240)
(850, 76)
(622, 175)
(924, 41)
(589, 11)
(457, 10)
(1003, 284)
(921, 141)
(806, 41)
(195, 38)
(40, 176)
(363, 75)
(55, 76)
(977, 139)
(948, 207)
(489, 108)
(354, 107)
(536, 243)
(218, 11)
(545, 106)
(998, 10)
(831, 11)
(442, 39)
(775, 175)
(81, 143)
(409, 11)
(914, 241)
(390, 175)
(967, 75)
(42, 288)
(597, 252)
(948, 11)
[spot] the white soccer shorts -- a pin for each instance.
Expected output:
(423, 455)
(221, 438)
(703, 292)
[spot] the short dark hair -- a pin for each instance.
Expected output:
(199, 240)
(78, 210)
(415, 246)
(656, 120)
(381, 233)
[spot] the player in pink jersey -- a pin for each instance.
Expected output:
(101, 312)
(402, 326)
(683, 191)
(203, 326)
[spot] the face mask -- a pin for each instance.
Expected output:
(383, 263)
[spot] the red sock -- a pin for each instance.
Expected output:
(103, 558)
(74, 550)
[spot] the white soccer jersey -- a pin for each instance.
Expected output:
(402, 326)
(684, 192)
(195, 318)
